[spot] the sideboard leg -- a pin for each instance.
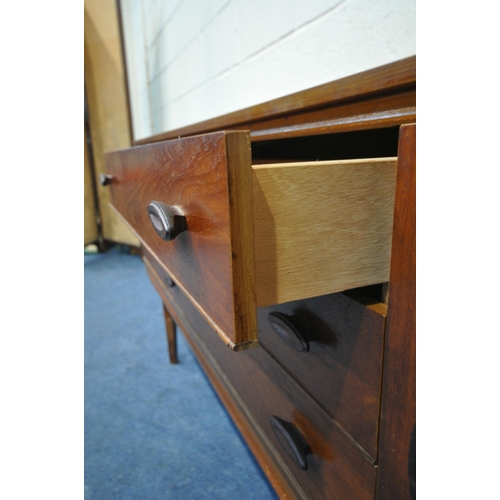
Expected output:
(171, 336)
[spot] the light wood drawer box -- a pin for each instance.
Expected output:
(256, 235)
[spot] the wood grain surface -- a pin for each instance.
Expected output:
(399, 379)
(342, 369)
(321, 227)
(384, 111)
(207, 177)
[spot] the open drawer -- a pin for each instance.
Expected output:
(235, 237)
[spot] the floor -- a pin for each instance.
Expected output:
(152, 430)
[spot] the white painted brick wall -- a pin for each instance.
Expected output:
(190, 60)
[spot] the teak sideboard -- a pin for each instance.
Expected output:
(281, 239)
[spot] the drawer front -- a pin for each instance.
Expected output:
(162, 281)
(336, 467)
(208, 180)
(332, 345)
(159, 273)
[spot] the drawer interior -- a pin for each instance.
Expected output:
(376, 143)
(373, 143)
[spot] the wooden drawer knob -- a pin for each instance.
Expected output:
(167, 221)
(287, 332)
(292, 441)
(105, 179)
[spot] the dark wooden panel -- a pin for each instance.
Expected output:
(342, 369)
(391, 78)
(359, 115)
(399, 390)
(208, 177)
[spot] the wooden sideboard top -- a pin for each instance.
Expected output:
(379, 97)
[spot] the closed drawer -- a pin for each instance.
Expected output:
(342, 366)
(161, 276)
(164, 284)
(256, 235)
(336, 467)
(332, 346)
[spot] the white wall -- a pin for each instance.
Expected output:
(190, 60)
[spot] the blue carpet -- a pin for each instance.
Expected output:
(152, 430)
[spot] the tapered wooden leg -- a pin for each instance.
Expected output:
(171, 336)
